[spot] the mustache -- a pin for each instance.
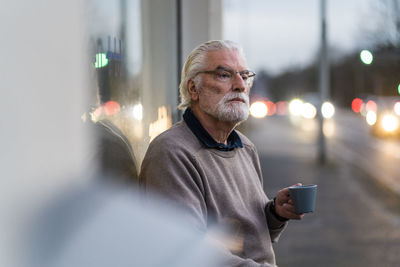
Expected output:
(236, 96)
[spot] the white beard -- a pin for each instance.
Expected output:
(226, 111)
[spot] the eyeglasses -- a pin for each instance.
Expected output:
(226, 75)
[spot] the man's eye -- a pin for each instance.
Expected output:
(223, 75)
(244, 76)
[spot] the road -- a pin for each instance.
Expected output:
(357, 220)
(379, 157)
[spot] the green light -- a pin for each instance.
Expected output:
(101, 60)
(398, 89)
(366, 57)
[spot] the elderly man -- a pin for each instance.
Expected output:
(212, 171)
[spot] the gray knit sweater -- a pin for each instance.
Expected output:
(215, 187)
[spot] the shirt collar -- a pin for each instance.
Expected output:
(195, 126)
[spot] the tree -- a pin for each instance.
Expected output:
(384, 27)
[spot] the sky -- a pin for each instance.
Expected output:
(277, 35)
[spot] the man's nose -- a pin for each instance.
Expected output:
(239, 84)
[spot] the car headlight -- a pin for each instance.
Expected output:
(370, 117)
(258, 109)
(296, 107)
(308, 111)
(390, 123)
(327, 110)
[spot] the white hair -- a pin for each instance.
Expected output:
(195, 62)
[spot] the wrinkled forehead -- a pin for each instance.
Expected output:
(227, 58)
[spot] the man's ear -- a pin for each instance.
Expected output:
(193, 91)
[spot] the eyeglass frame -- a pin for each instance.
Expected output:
(250, 73)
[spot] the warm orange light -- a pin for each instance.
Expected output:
(390, 123)
(163, 122)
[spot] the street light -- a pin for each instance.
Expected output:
(366, 57)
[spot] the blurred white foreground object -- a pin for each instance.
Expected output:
(106, 225)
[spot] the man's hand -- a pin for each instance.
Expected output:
(284, 205)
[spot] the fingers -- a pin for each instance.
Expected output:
(285, 191)
(284, 204)
(283, 196)
(288, 211)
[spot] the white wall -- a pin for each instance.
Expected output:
(43, 147)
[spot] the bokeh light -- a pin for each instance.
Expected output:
(356, 105)
(137, 112)
(390, 123)
(271, 108)
(329, 128)
(327, 110)
(396, 108)
(366, 57)
(281, 107)
(258, 109)
(371, 106)
(371, 117)
(296, 107)
(111, 107)
(309, 111)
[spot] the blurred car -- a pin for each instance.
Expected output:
(307, 107)
(304, 113)
(261, 107)
(383, 116)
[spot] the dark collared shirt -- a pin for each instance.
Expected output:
(201, 133)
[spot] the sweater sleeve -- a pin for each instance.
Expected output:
(275, 226)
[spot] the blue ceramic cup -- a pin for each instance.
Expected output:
(303, 197)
